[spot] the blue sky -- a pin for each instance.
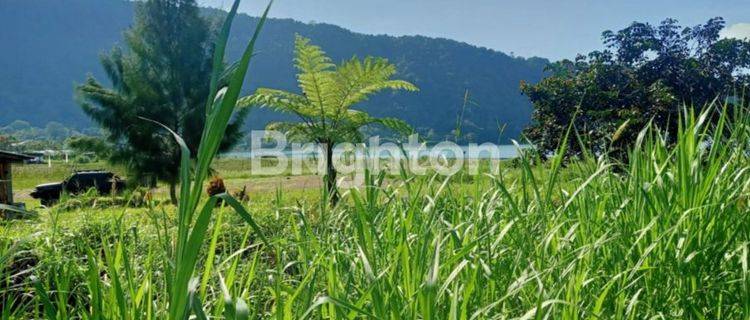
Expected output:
(546, 28)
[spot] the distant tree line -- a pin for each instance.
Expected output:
(53, 131)
(87, 145)
(22, 136)
(646, 73)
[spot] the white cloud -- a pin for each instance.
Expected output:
(737, 30)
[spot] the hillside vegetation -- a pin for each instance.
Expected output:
(52, 45)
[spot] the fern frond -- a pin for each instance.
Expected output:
(396, 125)
(294, 131)
(328, 92)
(309, 58)
(358, 80)
(356, 120)
(360, 119)
(315, 76)
(278, 100)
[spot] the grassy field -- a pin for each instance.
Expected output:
(234, 172)
(664, 236)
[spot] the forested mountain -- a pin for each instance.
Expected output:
(47, 46)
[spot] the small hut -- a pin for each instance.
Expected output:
(6, 185)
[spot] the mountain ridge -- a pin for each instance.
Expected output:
(51, 44)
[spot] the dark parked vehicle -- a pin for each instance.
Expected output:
(81, 181)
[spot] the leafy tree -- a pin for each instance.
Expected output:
(646, 73)
(7, 142)
(33, 138)
(162, 77)
(85, 144)
(56, 131)
(328, 93)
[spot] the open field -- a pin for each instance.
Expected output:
(263, 190)
(666, 235)
(234, 172)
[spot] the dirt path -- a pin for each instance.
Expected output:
(272, 183)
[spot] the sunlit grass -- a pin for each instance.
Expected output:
(664, 235)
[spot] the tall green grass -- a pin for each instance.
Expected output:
(664, 235)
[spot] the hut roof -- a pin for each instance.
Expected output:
(7, 156)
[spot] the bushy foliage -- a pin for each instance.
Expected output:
(646, 74)
(97, 147)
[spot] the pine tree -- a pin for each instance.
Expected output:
(161, 76)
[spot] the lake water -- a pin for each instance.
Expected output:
(468, 152)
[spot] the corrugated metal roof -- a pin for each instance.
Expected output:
(13, 157)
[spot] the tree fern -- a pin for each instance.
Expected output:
(328, 92)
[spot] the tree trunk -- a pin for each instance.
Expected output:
(173, 192)
(330, 178)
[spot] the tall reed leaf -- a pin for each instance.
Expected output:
(191, 232)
